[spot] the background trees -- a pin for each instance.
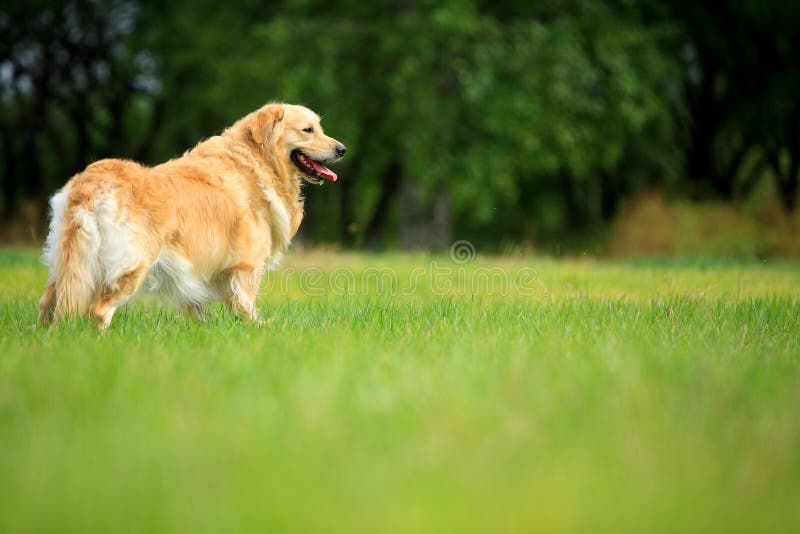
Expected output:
(508, 121)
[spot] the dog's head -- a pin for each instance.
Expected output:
(295, 133)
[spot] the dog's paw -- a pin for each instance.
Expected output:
(263, 322)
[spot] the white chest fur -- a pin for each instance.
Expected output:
(281, 222)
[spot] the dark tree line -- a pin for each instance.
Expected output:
(508, 121)
(742, 95)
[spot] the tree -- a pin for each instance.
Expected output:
(504, 121)
(71, 87)
(742, 78)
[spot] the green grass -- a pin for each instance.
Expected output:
(593, 397)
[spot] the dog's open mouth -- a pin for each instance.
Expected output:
(313, 171)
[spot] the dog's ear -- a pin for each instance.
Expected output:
(266, 124)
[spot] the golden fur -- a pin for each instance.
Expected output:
(205, 226)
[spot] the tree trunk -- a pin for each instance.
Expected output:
(787, 180)
(705, 123)
(392, 179)
(345, 214)
(412, 214)
(10, 177)
(594, 198)
(791, 183)
(440, 231)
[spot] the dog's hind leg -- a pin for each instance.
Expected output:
(47, 304)
(109, 298)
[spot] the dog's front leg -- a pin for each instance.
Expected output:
(244, 284)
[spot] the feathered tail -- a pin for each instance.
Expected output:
(71, 253)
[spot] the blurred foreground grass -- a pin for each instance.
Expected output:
(570, 396)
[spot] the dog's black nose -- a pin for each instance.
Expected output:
(340, 150)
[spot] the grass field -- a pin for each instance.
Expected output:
(500, 394)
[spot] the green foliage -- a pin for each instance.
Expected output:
(525, 121)
(492, 111)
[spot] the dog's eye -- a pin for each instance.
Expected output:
(308, 130)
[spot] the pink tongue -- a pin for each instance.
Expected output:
(323, 170)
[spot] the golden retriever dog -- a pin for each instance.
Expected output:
(199, 228)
